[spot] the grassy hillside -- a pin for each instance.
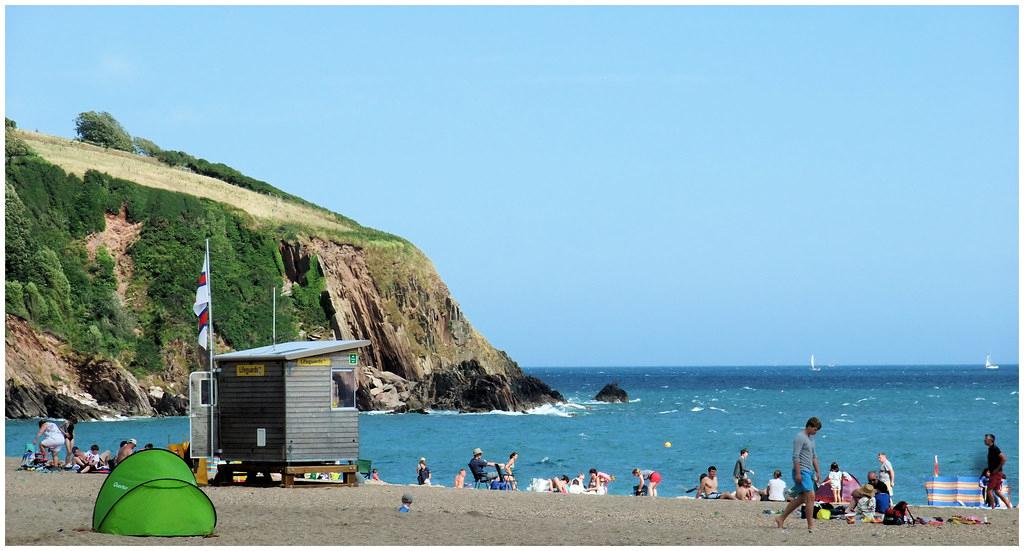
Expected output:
(60, 193)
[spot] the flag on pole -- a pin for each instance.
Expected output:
(936, 465)
(202, 304)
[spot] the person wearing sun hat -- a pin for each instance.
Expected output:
(478, 465)
(866, 504)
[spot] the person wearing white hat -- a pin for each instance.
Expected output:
(127, 449)
(423, 472)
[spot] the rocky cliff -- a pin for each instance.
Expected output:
(425, 354)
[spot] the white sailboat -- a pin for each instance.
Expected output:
(989, 364)
(812, 364)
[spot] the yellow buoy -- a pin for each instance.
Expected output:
(668, 444)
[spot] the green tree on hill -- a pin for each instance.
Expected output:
(102, 129)
(146, 147)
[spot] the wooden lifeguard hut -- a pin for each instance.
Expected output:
(288, 408)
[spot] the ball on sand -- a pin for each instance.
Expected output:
(668, 444)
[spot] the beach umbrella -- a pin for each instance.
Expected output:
(153, 493)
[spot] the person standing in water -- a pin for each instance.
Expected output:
(805, 473)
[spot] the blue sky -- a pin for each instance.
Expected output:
(608, 186)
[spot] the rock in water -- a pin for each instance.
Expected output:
(612, 393)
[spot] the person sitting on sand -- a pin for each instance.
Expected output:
(423, 472)
(126, 449)
(709, 487)
(374, 475)
(52, 439)
(880, 487)
(647, 479)
(560, 484)
(148, 446)
(598, 482)
(406, 504)
(777, 487)
(460, 479)
(478, 466)
(865, 506)
(747, 491)
(94, 460)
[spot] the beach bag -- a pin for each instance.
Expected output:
(803, 511)
(28, 458)
(540, 485)
(495, 485)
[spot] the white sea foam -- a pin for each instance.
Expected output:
(841, 421)
(843, 415)
(712, 430)
(976, 399)
(714, 399)
(995, 403)
(1013, 393)
(377, 412)
(846, 403)
(748, 388)
(634, 400)
(869, 398)
(550, 409)
(664, 386)
(717, 409)
(669, 411)
(696, 408)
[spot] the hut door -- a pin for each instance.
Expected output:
(202, 414)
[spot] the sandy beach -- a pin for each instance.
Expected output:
(318, 515)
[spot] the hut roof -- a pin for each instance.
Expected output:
(292, 350)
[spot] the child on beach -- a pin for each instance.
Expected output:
(406, 504)
(460, 479)
(983, 483)
(835, 479)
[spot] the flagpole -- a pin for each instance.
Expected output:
(273, 294)
(209, 328)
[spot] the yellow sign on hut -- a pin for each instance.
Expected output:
(314, 362)
(250, 370)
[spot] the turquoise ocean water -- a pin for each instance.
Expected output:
(708, 413)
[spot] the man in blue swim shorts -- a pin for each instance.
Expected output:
(805, 473)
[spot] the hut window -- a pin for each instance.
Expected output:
(205, 392)
(343, 389)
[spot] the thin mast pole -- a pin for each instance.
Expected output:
(273, 293)
(209, 327)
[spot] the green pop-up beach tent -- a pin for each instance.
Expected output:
(153, 493)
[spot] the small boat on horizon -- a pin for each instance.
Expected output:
(812, 364)
(989, 364)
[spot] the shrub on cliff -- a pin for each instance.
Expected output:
(102, 129)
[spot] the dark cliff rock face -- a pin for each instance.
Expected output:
(425, 354)
(44, 378)
(612, 393)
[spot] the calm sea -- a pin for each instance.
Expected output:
(912, 413)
